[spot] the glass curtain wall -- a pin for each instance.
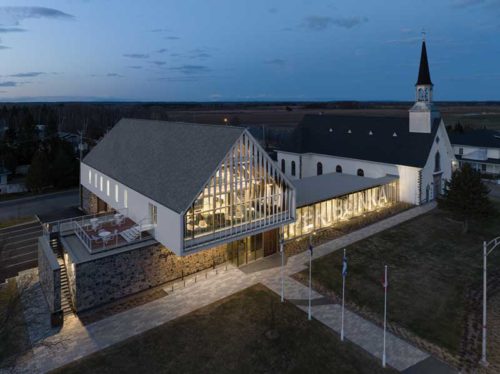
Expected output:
(246, 192)
(327, 213)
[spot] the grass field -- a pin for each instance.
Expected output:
(432, 266)
(230, 336)
(15, 221)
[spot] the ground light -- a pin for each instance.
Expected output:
(487, 249)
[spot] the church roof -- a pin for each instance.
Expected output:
(379, 139)
(424, 75)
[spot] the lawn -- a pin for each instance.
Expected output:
(230, 336)
(432, 267)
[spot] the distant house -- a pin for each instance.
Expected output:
(479, 148)
(9, 186)
(73, 139)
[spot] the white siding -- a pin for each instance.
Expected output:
(168, 230)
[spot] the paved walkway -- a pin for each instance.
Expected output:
(75, 341)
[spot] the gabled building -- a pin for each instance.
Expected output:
(415, 149)
(479, 148)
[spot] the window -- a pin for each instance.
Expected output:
(125, 198)
(338, 169)
(437, 162)
(107, 187)
(283, 165)
(116, 193)
(361, 173)
(102, 182)
(483, 167)
(319, 168)
(95, 180)
(90, 177)
(293, 168)
(460, 151)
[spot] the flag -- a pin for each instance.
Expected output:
(344, 266)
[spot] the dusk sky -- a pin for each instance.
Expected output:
(234, 50)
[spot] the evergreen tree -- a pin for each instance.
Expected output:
(64, 171)
(466, 196)
(38, 173)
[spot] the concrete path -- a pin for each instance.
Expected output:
(75, 341)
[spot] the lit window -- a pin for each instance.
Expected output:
(102, 182)
(116, 193)
(125, 198)
(107, 187)
(90, 176)
(95, 180)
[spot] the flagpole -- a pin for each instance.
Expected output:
(343, 292)
(282, 269)
(385, 315)
(310, 277)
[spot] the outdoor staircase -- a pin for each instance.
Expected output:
(131, 234)
(65, 293)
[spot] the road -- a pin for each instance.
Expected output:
(38, 205)
(18, 248)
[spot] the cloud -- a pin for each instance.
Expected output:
(198, 53)
(404, 41)
(162, 50)
(276, 62)
(135, 67)
(191, 69)
(4, 47)
(136, 55)
(11, 29)
(466, 3)
(172, 37)
(320, 23)
(28, 74)
(158, 63)
(114, 75)
(14, 15)
(8, 84)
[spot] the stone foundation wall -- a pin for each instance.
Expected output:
(89, 201)
(49, 273)
(115, 276)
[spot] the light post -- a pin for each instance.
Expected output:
(282, 266)
(309, 316)
(487, 249)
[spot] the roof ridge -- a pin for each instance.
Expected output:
(183, 123)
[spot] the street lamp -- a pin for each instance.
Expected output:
(487, 249)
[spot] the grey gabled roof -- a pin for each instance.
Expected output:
(169, 162)
(478, 138)
(328, 186)
(378, 139)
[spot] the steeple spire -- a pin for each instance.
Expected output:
(424, 76)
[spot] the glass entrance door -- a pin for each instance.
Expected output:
(243, 251)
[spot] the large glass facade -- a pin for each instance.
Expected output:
(245, 193)
(327, 213)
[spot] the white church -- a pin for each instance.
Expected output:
(414, 150)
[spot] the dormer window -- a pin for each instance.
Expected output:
(370, 133)
(331, 130)
(349, 131)
(394, 135)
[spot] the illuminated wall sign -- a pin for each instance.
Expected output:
(327, 213)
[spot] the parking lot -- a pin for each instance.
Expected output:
(18, 248)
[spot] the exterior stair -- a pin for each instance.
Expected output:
(65, 293)
(131, 234)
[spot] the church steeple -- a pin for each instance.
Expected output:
(423, 113)
(424, 76)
